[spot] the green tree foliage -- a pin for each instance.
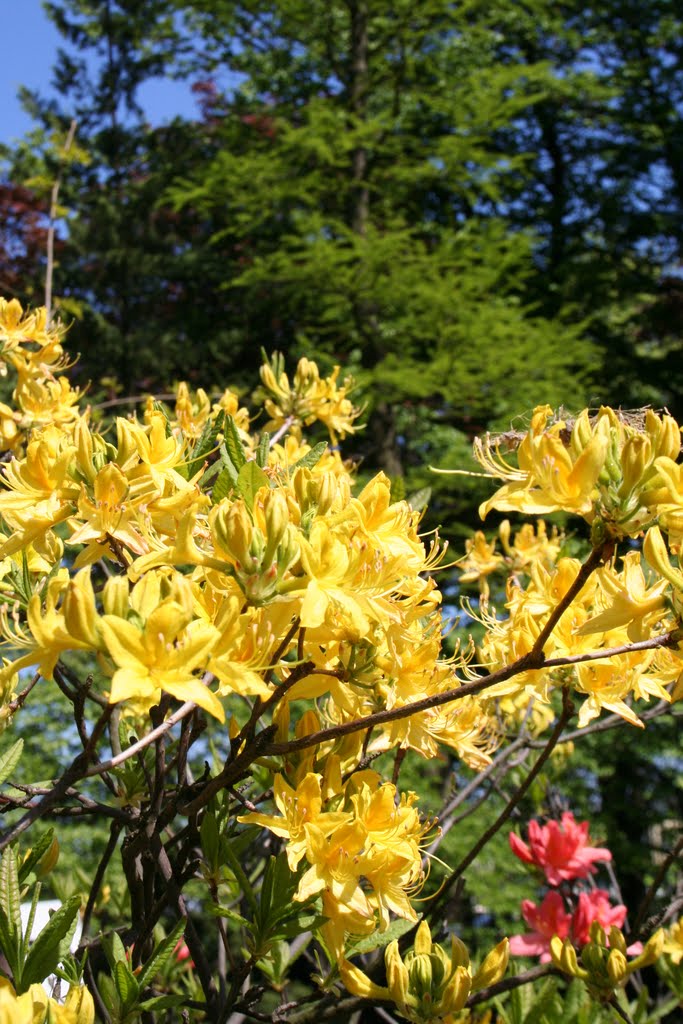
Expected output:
(347, 195)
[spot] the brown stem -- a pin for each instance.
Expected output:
(590, 565)
(529, 662)
(507, 984)
(114, 833)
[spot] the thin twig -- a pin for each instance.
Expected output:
(594, 559)
(105, 766)
(567, 709)
(507, 984)
(114, 833)
(652, 891)
(281, 431)
(532, 661)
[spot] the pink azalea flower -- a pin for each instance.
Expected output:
(182, 953)
(546, 920)
(560, 849)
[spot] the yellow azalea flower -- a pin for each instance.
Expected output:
(162, 656)
(36, 1007)
(46, 400)
(297, 808)
(230, 405)
(328, 598)
(14, 1009)
(606, 685)
(673, 942)
(341, 922)
(191, 413)
(307, 398)
(242, 655)
(53, 630)
(17, 326)
(335, 865)
(149, 456)
(108, 514)
(628, 599)
(480, 560)
(530, 545)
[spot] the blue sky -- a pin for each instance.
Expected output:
(30, 45)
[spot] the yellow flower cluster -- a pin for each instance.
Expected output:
(603, 963)
(361, 842)
(527, 547)
(307, 398)
(617, 606)
(618, 472)
(35, 353)
(428, 986)
(210, 565)
(197, 561)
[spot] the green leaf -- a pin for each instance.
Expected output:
(8, 942)
(310, 459)
(10, 759)
(206, 443)
(218, 910)
(249, 480)
(161, 1002)
(45, 953)
(114, 949)
(161, 954)
(263, 449)
(126, 985)
(225, 482)
(233, 444)
(378, 940)
(9, 887)
(35, 853)
(420, 499)
(210, 839)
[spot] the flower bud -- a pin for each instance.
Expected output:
(277, 520)
(493, 967)
(233, 531)
(656, 553)
(665, 434)
(636, 458)
(459, 954)
(456, 992)
(48, 861)
(115, 596)
(80, 613)
(582, 433)
(397, 977)
(617, 967)
(617, 940)
(79, 1002)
